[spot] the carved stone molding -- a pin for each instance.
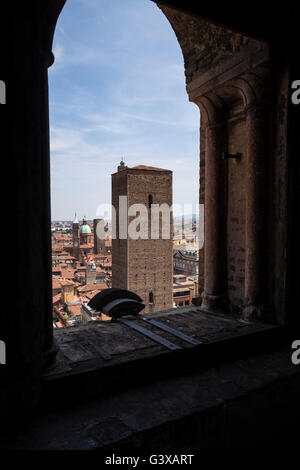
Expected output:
(250, 88)
(212, 108)
(50, 11)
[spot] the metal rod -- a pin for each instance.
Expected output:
(153, 336)
(173, 331)
(226, 155)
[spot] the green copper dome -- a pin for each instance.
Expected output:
(85, 229)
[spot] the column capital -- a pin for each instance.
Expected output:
(253, 87)
(212, 108)
(47, 56)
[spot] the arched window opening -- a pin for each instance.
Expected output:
(128, 120)
(245, 229)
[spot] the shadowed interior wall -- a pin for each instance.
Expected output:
(236, 213)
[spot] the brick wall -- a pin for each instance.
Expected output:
(144, 266)
(119, 247)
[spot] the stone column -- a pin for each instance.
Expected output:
(256, 217)
(28, 332)
(48, 346)
(215, 281)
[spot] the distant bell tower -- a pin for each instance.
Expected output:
(122, 165)
(99, 243)
(76, 238)
(144, 266)
(91, 273)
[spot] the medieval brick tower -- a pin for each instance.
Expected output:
(99, 243)
(76, 238)
(143, 265)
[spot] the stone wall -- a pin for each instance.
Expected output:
(242, 96)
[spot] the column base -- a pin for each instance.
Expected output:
(214, 303)
(49, 357)
(252, 311)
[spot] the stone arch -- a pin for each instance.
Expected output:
(31, 342)
(222, 68)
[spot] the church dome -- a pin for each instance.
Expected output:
(85, 229)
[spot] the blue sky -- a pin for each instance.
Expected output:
(117, 89)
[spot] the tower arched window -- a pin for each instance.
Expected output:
(150, 201)
(151, 298)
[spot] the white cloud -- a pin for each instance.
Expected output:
(62, 139)
(58, 52)
(111, 123)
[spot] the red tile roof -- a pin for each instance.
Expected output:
(56, 299)
(68, 273)
(91, 287)
(74, 309)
